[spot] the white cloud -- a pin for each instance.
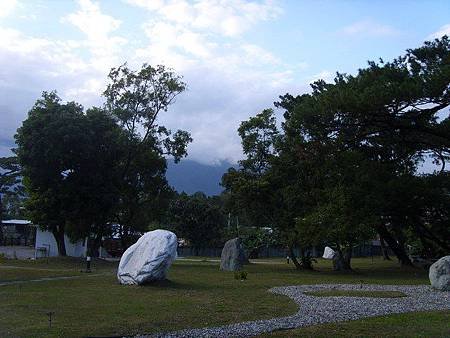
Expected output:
(98, 28)
(228, 18)
(369, 28)
(229, 78)
(31, 65)
(444, 30)
(90, 20)
(7, 7)
(325, 75)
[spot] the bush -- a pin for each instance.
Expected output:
(240, 275)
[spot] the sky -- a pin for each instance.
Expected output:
(236, 56)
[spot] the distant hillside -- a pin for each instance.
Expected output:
(191, 176)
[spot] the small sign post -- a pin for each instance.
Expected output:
(88, 264)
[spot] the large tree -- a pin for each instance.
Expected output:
(96, 179)
(136, 99)
(347, 151)
(48, 149)
(198, 219)
(71, 166)
(394, 114)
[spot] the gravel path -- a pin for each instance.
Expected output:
(316, 310)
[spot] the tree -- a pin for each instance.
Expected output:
(87, 170)
(265, 190)
(71, 165)
(95, 180)
(136, 99)
(9, 180)
(48, 146)
(340, 168)
(388, 114)
(198, 219)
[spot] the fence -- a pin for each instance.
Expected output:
(363, 250)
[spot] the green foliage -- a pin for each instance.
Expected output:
(50, 146)
(254, 238)
(136, 99)
(198, 219)
(345, 165)
(86, 170)
(11, 191)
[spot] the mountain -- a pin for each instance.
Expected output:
(191, 176)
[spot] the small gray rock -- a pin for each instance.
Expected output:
(233, 255)
(148, 259)
(440, 274)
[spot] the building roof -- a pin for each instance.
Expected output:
(16, 221)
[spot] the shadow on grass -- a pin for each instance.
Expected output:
(167, 284)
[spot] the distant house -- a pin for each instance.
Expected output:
(18, 232)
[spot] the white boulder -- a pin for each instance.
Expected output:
(148, 259)
(440, 274)
(328, 253)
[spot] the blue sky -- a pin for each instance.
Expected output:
(236, 56)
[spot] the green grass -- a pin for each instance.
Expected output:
(416, 324)
(355, 293)
(22, 270)
(196, 295)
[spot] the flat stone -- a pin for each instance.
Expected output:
(440, 274)
(148, 259)
(233, 255)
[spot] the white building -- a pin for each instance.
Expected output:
(46, 245)
(32, 241)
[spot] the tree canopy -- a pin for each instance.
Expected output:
(85, 170)
(346, 162)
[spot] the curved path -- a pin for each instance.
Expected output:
(316, 310)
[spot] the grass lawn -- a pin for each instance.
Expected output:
(196, 295)
(22, 270)
(355, 293)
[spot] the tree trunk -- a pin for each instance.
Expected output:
(306, 260)
(58, 233)
(341, 260)
(384, 250)
(298, 266)
(94, 246)
(399, 250)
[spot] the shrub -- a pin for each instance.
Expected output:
(240, 275)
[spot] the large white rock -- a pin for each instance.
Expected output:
(149, 258)
(328, 253)
(440, 274)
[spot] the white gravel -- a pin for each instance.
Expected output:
(316, 310)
